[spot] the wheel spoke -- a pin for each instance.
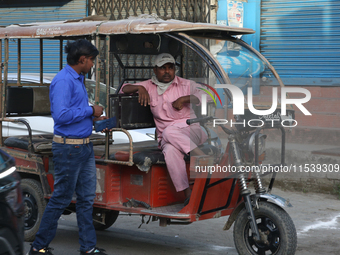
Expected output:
(270, 225)
(273, 247)
(275, 233)
(261, 251)
(251, 240)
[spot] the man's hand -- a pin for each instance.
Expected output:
(178, 104)
(143, 96)
(98, 110)
(181, 101)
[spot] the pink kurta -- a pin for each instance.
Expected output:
(175, 137)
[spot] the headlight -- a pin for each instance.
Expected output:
(7, 172)
(262, 143)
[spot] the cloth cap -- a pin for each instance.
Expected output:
(164, 58)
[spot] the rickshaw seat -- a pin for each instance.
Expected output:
(43, 143)
(22, 142)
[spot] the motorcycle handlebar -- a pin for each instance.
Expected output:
(200, 120)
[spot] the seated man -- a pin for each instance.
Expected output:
(169, 97)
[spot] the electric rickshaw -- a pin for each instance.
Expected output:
(132, 177)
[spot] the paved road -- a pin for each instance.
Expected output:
(316, 217)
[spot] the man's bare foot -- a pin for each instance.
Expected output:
(187, 192)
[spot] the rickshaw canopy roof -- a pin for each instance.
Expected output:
(143, 24)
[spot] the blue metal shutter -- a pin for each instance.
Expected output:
(30, 47)
(301, 40)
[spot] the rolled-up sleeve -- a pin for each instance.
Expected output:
(144, 84)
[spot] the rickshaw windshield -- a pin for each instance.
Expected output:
(244, 67)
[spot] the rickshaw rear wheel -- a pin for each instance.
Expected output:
(110, 218)
(277, 231)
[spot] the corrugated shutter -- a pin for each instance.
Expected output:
(30, 48)
(301, 40)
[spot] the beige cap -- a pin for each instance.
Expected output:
(164, 58)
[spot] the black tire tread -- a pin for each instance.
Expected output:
(110, 219)
(288, 230)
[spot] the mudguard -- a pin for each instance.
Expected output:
(275, 199)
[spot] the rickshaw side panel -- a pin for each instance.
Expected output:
(118, 183)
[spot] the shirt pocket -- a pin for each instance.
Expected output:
(153, 102)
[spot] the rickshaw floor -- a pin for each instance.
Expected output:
(169, 210)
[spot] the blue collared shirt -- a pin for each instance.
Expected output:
(70, 108)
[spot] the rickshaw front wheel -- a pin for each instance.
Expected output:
(277, 231)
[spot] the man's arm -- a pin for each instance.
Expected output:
(143, 95)
(178, 104)
(60, 98)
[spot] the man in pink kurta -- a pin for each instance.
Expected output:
(169, 97)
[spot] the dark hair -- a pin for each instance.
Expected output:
(78, 48)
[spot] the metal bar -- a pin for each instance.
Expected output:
(129, 163)
(107, 81)
(283, 154)
(283, 145)
(3, 115)
(1, 60)
(41, 61)
(166, 9)
(180, 10)
(218, 182)
(257, 132)
(97, 92)
(107, 72)
(188, 11)
(135, 8)
(158, 8)
(119, 60)
(1, 89)
(207, 181)
(127, 10)
(61, 54)
(138, 67)
(4, 87)
(19, 63)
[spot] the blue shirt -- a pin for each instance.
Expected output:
(70, 108)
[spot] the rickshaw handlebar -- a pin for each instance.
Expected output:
(200, 120)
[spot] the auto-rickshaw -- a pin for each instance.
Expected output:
(132, 177)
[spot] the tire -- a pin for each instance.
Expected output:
(110, 218)
(275, 225)
(35, 204)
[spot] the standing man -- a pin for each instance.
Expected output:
(73, 157)
(169, 97)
